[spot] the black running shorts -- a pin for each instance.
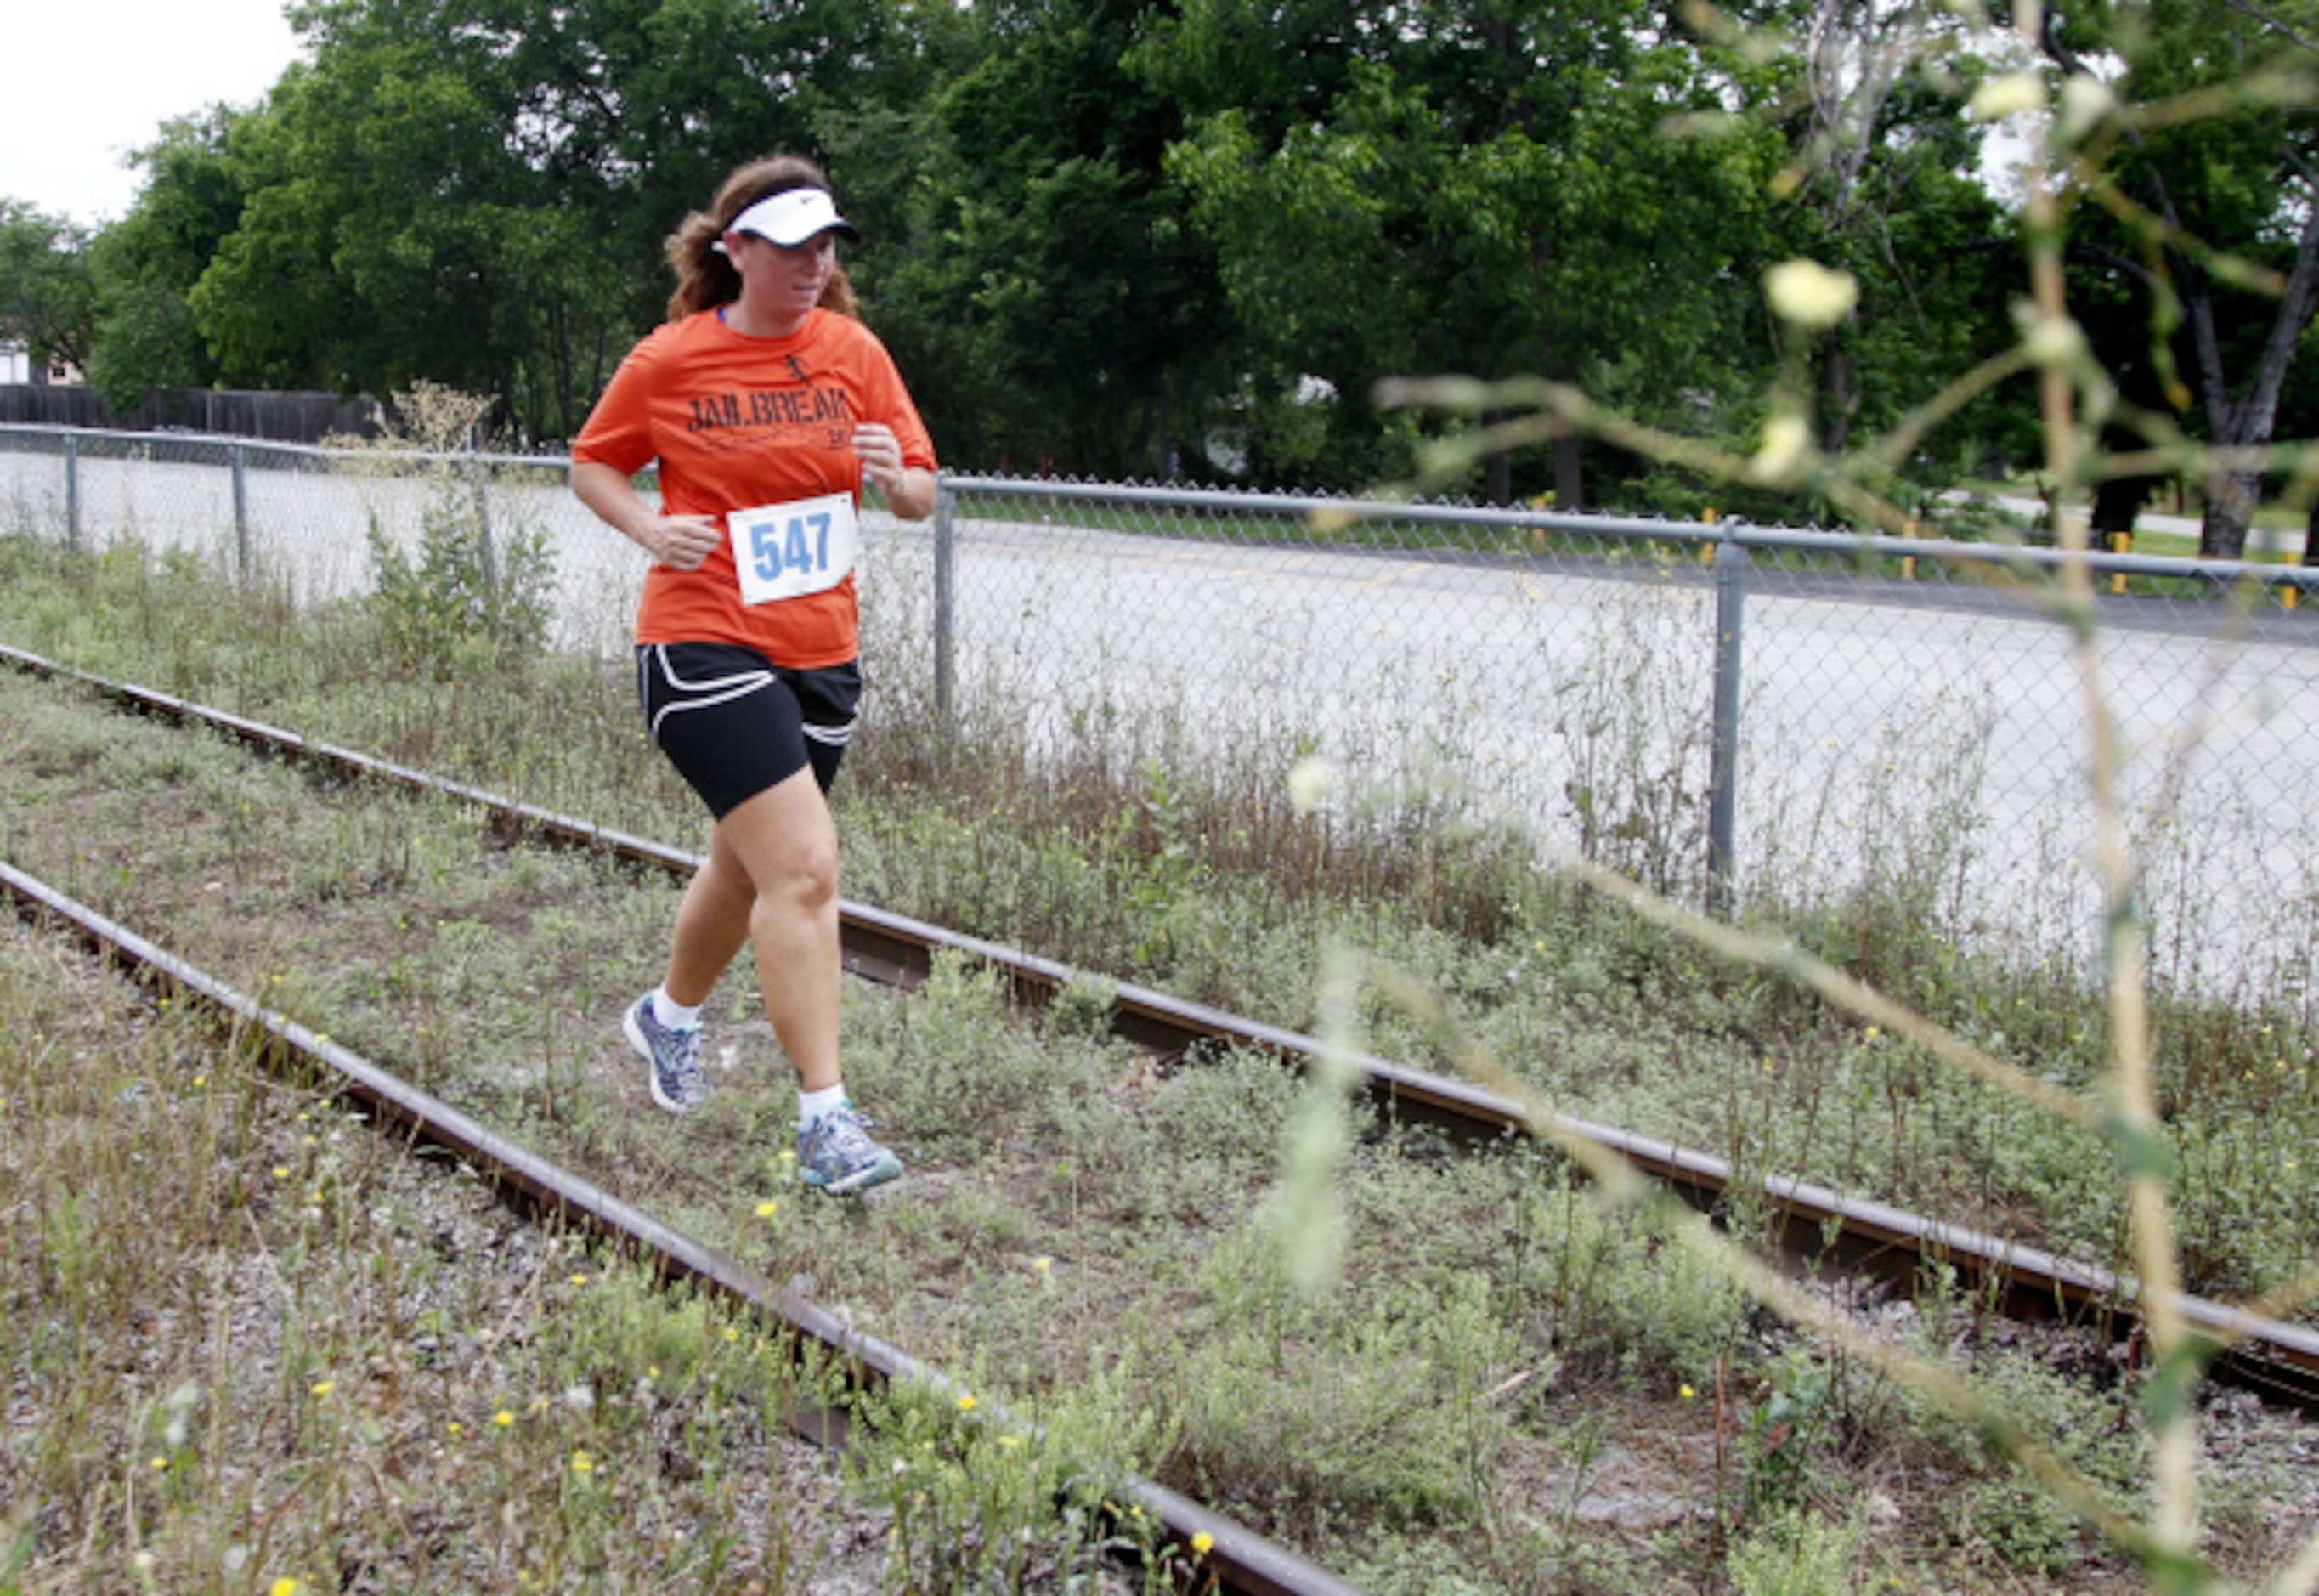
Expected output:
(735, 724)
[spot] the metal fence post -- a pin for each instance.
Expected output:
(72, 490)
(240, 513)
(481, 478)
(945, 630)
(1723, 756)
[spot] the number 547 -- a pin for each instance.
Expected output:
(802, 543)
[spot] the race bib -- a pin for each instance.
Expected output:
(786, 551)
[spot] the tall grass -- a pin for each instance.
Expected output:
(2149, 1505)
(1051, 1146)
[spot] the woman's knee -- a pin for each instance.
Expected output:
(810, 876)
(800, 873)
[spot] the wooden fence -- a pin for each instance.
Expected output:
(278, 417)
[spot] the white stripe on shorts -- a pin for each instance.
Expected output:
(721, 689)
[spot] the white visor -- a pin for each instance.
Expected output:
(793, 216)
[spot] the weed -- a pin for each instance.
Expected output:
(479, 592)
(1799, 1553)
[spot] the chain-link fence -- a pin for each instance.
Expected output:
(1757, 717)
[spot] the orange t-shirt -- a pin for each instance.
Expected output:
(738, 423)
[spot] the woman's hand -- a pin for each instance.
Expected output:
(910, 491)
(881, 454)
(682, 542)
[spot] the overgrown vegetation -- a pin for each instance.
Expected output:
(1398, 1357)
(472, 596)
(1096, 1219)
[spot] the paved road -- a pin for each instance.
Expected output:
(1879, 732)
(2286, 542)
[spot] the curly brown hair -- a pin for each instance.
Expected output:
(705, 279)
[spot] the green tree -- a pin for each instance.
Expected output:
(475, 191)
(146, 264)
(1027, 258)
(48, 298)
(1884, 181)
(1480, 187)
(2204, 219)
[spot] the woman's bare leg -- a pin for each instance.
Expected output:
(771, 881)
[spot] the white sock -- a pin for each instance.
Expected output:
(674, 1015)
(812, 1105)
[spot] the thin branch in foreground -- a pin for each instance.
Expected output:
(1626, 1186)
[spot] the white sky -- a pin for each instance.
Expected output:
(90, 80)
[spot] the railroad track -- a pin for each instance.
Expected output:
(2276, 1358)
(1240, 1559)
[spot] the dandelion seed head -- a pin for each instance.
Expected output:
(1310, 784)
(2085, 101)
(1787, 443)
(1810, 295)
(2006, 95)
(2054, 341)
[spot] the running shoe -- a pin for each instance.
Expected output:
(837, 1156)
(678, 1084)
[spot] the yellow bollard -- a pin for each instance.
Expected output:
(2287, 594)
(1707, 550)
(2120, 542)
(1907, 562)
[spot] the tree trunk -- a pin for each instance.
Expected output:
(1842, 402)
(2231, 498)
(2232, 491)
(2118, 499)
(1569, 480)
(1497, 466)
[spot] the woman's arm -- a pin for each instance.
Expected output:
(680, 541)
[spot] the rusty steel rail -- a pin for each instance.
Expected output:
(2270, 1355)
(1239, 1559)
